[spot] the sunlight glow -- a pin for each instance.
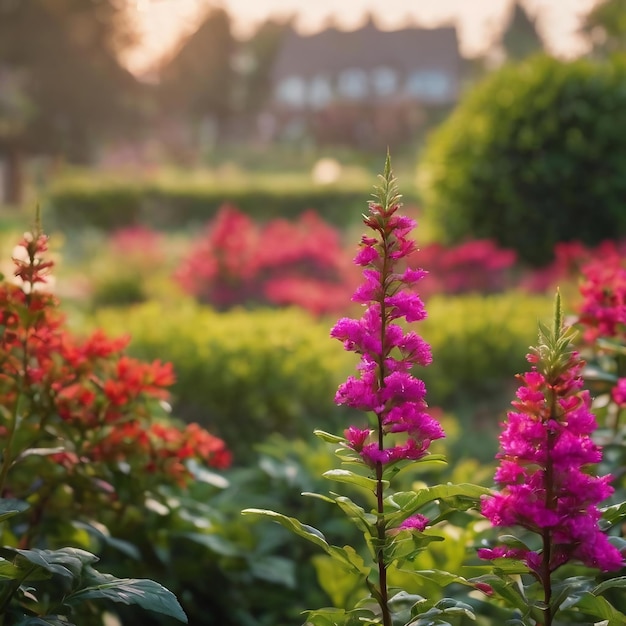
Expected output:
(162, 22)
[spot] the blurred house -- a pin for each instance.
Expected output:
(366, 87)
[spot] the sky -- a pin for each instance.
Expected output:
(162, 22)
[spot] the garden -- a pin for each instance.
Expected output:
(269, 405)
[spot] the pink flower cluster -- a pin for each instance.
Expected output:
(285, 263)
(385, 385)
(546, 483)
(603, 310)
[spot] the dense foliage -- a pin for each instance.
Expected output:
(532, 156)
(110, 204)
(85, 443)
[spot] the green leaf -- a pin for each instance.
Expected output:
(365, 522)
(65, 562)
(348, 557)
(340, 617)
(10, 507)
(512, 542)
(610, 345)
(45, 620)
(346, 476)
(406, 503)
(8, 571)
(440, 577)
(147, 594)
(212, 542)
(510, 590)
(329, 437)
(202, 474)
(599, 607)
(319, 496)
(303, 530)
(341, 585)
(614, 514)
(620, 581)
(597, 374)
(274, 569)
(39, 452)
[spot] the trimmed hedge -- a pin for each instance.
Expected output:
(479, 344)
(112, 204)
(533, 155)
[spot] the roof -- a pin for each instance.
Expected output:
(331, 51)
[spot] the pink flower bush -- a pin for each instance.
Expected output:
(285, 263)
(545, 477)
(603, 310)
(385, 385)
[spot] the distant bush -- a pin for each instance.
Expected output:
(113, 204)
(478, 344)
(534, 155)
(237, 261)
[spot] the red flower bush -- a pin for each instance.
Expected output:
(78, 414)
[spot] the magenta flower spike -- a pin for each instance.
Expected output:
(545, 477)
(402, 428)
(384, 385)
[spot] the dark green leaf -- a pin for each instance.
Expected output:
(620, 581)
(600, 608)
(10, 507)
(147, 594)
(406, 503)
(294, 525)
(214, 543)
(274, 569)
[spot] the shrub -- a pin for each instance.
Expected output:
(85, 440)
(112, 204)
(533, 156)
(478, 345)
(248, 374)
(236, 261)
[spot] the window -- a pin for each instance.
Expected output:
(385, 81)
(320, 92)
(292, 91)
(353, 84)
(429, 85)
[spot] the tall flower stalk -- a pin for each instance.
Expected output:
(396, 430)
(545, 476)
(385, 387)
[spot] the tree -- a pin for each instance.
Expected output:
(605, 27)
(261, 49)
(197, 82)
(520, 38)
(534, 155)
(62, 57)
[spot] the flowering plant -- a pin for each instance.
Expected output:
(547, 488)
(82, 442)
(546, 485)
(398, 433)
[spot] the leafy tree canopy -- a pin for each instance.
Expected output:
(63, 54)
(605, 27)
